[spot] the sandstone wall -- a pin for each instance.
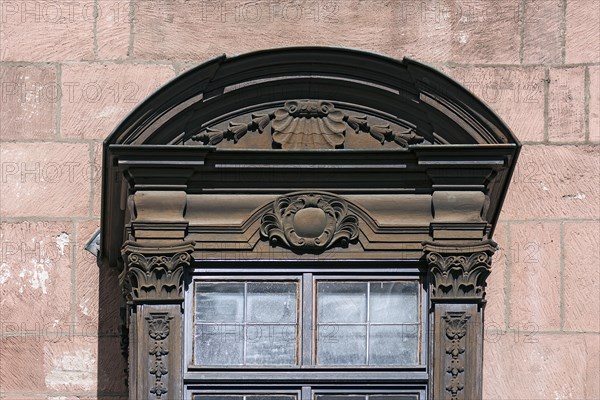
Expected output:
(71, 70)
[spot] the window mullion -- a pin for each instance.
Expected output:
(306, 326)
(245, 323)
(368, 319)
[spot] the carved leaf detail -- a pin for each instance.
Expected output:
(459, 275)
(158, 330)
(456, 330)
(309, 124)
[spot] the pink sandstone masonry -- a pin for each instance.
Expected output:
(71, 70)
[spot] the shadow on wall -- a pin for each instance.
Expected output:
(112, 364)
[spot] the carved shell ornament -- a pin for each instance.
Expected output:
(309, 222)
(309, 124)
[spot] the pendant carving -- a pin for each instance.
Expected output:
(154, 273)
(309, 124)
(456, 330)
(309, 222)
(158, 330)
(459, 272)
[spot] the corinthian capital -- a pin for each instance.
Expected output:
(459, 272)
(154, 273)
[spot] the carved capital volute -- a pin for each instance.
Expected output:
(459, 273)
(154, 274)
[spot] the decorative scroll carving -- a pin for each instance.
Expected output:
(456, 330)
(309, 222)
(158, 330)
(154, 273)
(309, 124)
(459, 272)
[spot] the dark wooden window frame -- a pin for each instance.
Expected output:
(189, 188)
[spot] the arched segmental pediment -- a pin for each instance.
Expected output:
(405, 93)
(309, 118)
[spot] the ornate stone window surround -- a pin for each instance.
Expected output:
(302, 160)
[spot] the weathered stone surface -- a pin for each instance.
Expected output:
(430, 30)
(20, 364)
(566, 105)
(113, 29)
(535, 367)
(582, 276)
(71, 364)
(541, 31)
(97, 178)
(35, 277)
(516, 94)
(98, 96)
(98, 291)
(535, 276)
(47, 30)
(555, 182)
(29, 97)
(45, 179)
(583, 24)
(592, 349)
(594, 116)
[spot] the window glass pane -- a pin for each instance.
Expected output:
(271, 344)
(340, 397)
(220, 344)
(244, 397)
(271, 302)
(270, 397)
(392, 397)
(366, 397)
(342, 301)
(246, 323)
(368, 323)
(220, 302)
(393, 345)
(394, 302)
(342, 344)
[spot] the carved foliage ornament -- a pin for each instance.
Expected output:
(309, 222)
(309, 124)
(158, 329)
(459, 272)
(151, 276)
(456, 330)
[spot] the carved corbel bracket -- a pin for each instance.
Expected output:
(459, 272)
(154, 274)
(309, 222)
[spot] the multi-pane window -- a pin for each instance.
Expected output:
(367, 323)
(246, 323)
(375, 322)
(316, 397)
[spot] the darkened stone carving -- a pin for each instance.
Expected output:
(158, 330)
(309, 222)
(309, 124)
(456, 330)
(459, 272)
(154, 273)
